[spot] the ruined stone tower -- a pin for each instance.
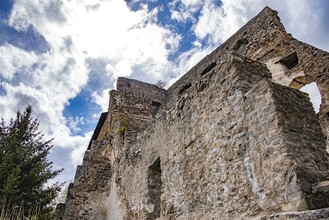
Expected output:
(234, 138)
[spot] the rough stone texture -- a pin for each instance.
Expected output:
(89, 192)
(232, 139)
(286, 149)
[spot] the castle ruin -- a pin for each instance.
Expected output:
(234, 138)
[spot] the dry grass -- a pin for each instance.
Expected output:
(17, 213)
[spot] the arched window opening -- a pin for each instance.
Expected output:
(307, 84)
(301, 81)
(314, 93)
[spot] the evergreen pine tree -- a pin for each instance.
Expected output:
(24, 167)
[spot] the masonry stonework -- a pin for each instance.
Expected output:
(234, 138)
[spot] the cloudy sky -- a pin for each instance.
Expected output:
(63, 56)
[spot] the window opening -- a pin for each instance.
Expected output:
(184, 88)
(156, 104)
(239, 43)
(208, 68)
(301, 81)
(290, 61)
(155, 108)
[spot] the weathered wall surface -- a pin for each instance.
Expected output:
(225, 153)
(131, 110)
(264, 39)
(88, 194)
(132, 106)
(198, 143)
(232, 139)
(286, 149)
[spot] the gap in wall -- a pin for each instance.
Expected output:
(314, 93)
(154, 189)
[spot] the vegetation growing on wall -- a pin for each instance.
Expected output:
(123, 123)
(124, 126)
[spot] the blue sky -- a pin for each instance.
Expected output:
(63, 57)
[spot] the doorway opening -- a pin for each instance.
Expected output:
(154, 188)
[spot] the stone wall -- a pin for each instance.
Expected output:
(132, 106)
(223, 152)
(264, 39)
(88, 194)
(286, 149)
(229, 140)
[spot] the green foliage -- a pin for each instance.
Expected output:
(124, 126)
(24, 167)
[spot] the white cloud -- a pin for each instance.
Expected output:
(74, 122)
(125, 37)
(19, 18)
(81, 145)
(187, 60)
(14, 59)
(101, 99)
(184, 11)
(219, 22)
(191, 2)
